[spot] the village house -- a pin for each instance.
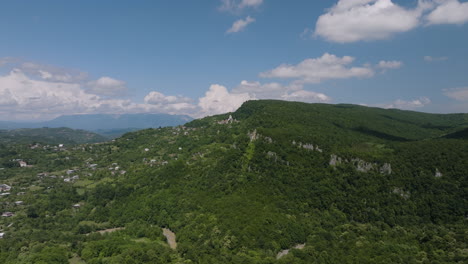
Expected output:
(5, 187)
(8, 214)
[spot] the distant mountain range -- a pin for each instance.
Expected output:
(105, 124)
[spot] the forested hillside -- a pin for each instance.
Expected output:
(273, 182)
(47, 135)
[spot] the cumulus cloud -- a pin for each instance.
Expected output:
(262, 91)
(240, 25)
(170, 104)
(7, 60)
(23, 97)
(459, 94)
(219, 100)
(52, 73)
(33, 92)
(107, 86)
(306, 96)
(159, 98)
(389, 64)
(366, 20)
(356, 20)
(41, 98)
(6, 99)
(291, 92)
(408, 105)
(316, 70)
(250, 3)
(449, 12)
(27, 98)
(434, 59)
(236, 5)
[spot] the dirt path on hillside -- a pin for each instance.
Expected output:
(110, 230)
(171, 238)
(286, 251)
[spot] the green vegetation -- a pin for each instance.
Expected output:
(51, 136)
(353, 184)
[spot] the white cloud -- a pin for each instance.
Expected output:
(262, 91)
(107, 86)
(449, 12)
(240, 25)
(6, 99)
(236, 5)
(291, 92)
(170, 104)
(159, 98)
(366, 20)
(7, 60)
(52, 73)
(390, 64)
(434, 59)
(459, 94)
(251, 3)
(356, 20)
(316, 70)
(26, 98)
(306, 33)
(32, 94)
(219, 100)
(306, 96)
(41, 98)
(408, 105)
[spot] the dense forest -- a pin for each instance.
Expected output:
(273, 182)
(46, 135)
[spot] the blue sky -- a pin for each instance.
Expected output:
(207, 57)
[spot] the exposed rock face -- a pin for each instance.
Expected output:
(286, 251)
(334, 160)
(253, 135)
(272, 155)
(229, 120)
(438, 174)
(404, 194)
(363, 166)
(308, 146)
(360, 165)
(386, 169)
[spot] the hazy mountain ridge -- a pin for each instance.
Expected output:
(104, 122)
(60, 135)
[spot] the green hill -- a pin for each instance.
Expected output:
(328, 183)
(47, 135)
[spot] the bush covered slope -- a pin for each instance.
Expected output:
(47, 135)
(331, 183)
